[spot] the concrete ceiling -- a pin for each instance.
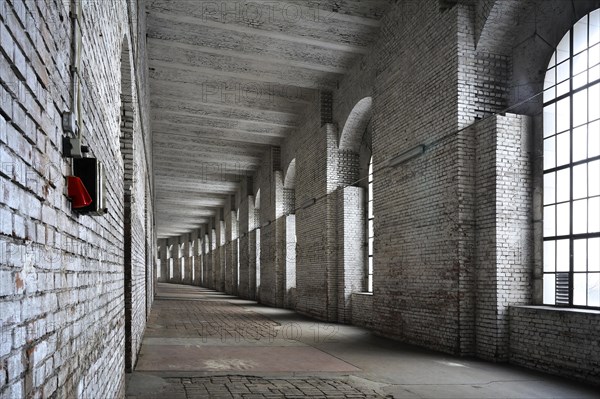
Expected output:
(228, 79)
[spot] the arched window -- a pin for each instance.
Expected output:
(370, 233)
(192, 259)
(182, 260)
(572, 168)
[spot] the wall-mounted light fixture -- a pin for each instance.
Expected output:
(405, 156)
(309, 203)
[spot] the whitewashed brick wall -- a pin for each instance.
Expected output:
(62, 275)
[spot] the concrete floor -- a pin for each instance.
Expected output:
(205, 344)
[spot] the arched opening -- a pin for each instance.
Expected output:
(191, 254)
(356, 215)
(356, 124)
(257, 223)
(571, 243)
(170, 261)
(127, 150)
(370, 229)
(289, 199)
(237, 257)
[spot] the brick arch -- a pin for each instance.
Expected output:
(523, 36)
(257, 200)
(355, 125)
(290, 176)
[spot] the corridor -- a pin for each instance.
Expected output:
(200, 343)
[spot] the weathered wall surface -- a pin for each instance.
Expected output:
(562, 342)
(67, 328)
(455, 228)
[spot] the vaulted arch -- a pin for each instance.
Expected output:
(356, 125)
(290, 176)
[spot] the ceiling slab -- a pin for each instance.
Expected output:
(230, 79)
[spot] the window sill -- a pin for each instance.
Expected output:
(363, 293)
(557, 309)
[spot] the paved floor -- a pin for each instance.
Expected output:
(205, 344)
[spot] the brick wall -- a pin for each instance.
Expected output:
(351, 249)
(362, 309)
(454, 228)
(562, 342)
(64, 316)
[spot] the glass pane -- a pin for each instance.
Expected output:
(580, 216)
(370, 231)
(563, 219)
(549, 120)
(563, 115)
(550, 79)
(549, 256)
(594, 55)
(593, 289)
(579, 289)
(563, 185)
(580, 35)
(580, 108)
(370, 265)
(563, 51)
(549, 289)
(549, 94)
(580, 143)
(563, 149)
(580, 63)
(594, 139)
(562, 88)
(594, 27)
(594, 73)
(562, 255)
(594, 178)
(370, 284)
(594, 102)
(563, 71)
(550, 221)
(594, 215)
(580, 180)
(370, 206)
(370, 194)
(552, 61)
(580, 80)
(549, 188)
(580, 255)
(594, 255)
(549, 153)
(370, 246)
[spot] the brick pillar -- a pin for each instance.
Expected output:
(351, 248)
(187, 269)
(289, 256)
(164, 263)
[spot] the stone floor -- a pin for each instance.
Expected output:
(205, 344)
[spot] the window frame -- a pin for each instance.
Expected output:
(566, 298)
(369, 229)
